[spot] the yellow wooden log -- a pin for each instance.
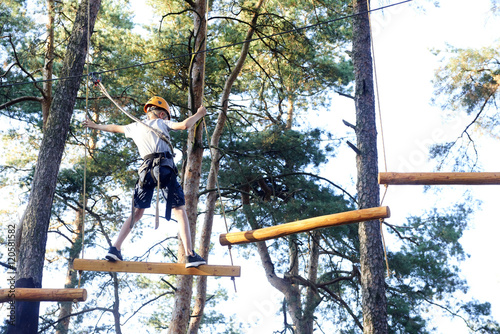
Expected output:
(155, 268)
(305, 225)
(460, 178)
(42, 295)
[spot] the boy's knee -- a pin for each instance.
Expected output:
(138, 213)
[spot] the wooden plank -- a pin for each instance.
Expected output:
(155, 268)
(42, 295)
(305, 225)
(460, 178)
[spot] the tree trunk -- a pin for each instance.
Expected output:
(181, 312)
(312, 298)
(37, 215)
(290, 112)
(286, 284)
(371, 248)
(65, 308)
(201, 288)
(116, 304)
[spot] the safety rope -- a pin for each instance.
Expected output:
(381, 132)
(160, 134)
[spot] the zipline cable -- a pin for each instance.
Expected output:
(214, 49)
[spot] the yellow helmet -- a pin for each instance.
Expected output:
(159, 102)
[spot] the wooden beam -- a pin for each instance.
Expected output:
(155, 268)
(42, 295)
(305, 225)
(439, 178)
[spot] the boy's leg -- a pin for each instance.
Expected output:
(192, 259)
(125, 230)
(184, 230)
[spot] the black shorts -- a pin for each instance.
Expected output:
(143, 195)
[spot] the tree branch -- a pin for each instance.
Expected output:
(337, 298)
(21, 66)
(145, 304)
(72, 315)
(19, 100)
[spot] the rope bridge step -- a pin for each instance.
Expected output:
(460, 178)
(42, 295)
(305, 225)
(155, 268)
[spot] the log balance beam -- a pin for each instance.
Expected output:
(42, 295)
(155, 268)
(305, 225)
(439, 178)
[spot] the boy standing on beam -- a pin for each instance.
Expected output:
(157, 171)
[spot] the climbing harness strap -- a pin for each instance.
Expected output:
(151, 165)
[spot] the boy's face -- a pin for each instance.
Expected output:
(159, 112)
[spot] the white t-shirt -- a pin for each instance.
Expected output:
(146, 140)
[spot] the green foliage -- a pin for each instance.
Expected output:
(469, 79)
(468, 82)
(426, 272)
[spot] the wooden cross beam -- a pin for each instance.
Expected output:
(305, 225)
(42, 295)
(439, 178)
(155, 268)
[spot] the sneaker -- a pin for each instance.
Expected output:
(114, 255)
(194, 260)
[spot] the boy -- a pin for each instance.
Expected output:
(153, 142)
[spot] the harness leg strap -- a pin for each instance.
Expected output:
(132, 215)
(156, 171)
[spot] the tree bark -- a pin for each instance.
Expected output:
(37, 215)
(290, 112)
(181, 312)
(116, 304)
(285, 285)
(206, 232)
(371, 249)
(312, 298)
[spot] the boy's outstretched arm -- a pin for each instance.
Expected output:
(190, 121)
(103, 127)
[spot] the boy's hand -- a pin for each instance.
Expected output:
(202, 111)
(89, 123)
